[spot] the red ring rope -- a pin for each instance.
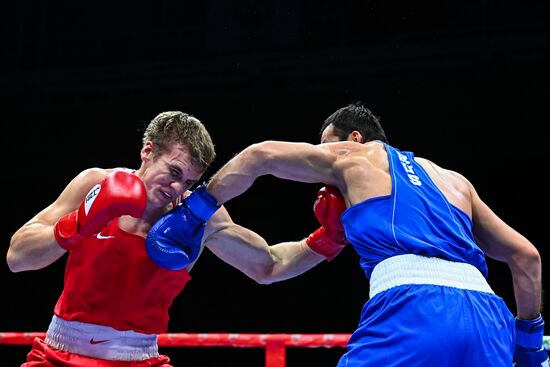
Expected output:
(274, 344)
(215, 339)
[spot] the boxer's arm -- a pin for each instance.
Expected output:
(250, 253)
(33, 246)
(293, 161)
(501, 242)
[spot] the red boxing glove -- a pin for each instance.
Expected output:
(330, 238)
(119, 193)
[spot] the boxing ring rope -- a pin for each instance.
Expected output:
(274, 344)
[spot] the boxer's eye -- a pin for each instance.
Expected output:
(175, 173)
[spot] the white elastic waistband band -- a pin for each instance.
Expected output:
(415, 269)
(98, 341)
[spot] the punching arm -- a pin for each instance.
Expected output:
(251, 254)
(293, 161)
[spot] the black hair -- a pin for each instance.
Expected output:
(355, 117)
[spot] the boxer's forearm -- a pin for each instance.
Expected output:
(250, 253)
(293, 259)
(526, 276)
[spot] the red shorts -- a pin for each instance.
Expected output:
(42, 355)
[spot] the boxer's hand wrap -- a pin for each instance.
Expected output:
(529, 351)
(174, 241)
(119, 193)
(330, 238)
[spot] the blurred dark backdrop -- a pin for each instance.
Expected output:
(465, 84)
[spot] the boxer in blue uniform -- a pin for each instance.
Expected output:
(422, 233)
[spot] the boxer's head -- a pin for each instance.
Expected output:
(353, 122)
(171, 128)
(176, 151)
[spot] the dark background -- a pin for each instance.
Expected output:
(464, 84)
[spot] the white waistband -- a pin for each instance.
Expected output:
(98, 341)
(415, 269)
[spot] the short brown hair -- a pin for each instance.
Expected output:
(175, 127)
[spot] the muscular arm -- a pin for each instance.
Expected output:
(250, 253)
(294, 161)
(503, 243)
(33, 246)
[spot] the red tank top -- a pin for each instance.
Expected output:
(109, 280)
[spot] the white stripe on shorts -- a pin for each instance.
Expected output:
(415, 269)
(98, 341)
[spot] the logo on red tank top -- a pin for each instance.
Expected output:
(102, 237)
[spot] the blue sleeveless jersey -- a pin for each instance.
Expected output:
(415, 218)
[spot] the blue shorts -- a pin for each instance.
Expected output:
(429, 325)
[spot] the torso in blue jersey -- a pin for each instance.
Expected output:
(415, 218)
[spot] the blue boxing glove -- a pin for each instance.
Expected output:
(529, 351)
(174, 241)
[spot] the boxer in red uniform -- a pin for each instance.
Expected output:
(132, 238)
